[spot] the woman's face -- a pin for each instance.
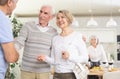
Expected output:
(93, 41)
(61, 21)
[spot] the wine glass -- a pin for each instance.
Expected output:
(110, 62)
(104, 64)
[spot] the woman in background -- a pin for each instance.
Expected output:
(96, 54)
(68, 48)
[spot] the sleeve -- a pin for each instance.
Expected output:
(82, 57)
(50, 60)
(104, 58)
(89, 52)
(23, 35)
(6, 34)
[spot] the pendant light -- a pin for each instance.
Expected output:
(111, 21)
(91, 22)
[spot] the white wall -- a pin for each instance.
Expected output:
(101, 20)
(110, 47)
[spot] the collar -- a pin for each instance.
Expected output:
(42, 29)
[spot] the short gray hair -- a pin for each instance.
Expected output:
(94, 37)
(3, 2)
(52, 9)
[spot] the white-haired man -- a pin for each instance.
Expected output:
(36, 39)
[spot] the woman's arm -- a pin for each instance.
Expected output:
(83, 54)
(48, 59)
(104, 57)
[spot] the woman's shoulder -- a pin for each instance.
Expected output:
(78, 34)
(56, 37)
(90, 47)
(99, 45)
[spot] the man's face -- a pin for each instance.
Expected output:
(45, 15)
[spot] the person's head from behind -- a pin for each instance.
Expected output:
(64, 19)
(46, 14)
(94, 41)
(8, 6)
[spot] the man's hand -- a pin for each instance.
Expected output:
(41, 58)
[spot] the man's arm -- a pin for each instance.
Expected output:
(10, 53)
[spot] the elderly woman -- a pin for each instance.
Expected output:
(68, 48)
(96, 52)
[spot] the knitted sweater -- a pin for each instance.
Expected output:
(35, 43)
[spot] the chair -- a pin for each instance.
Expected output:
(112, 75)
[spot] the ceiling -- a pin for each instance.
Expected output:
(27, 8)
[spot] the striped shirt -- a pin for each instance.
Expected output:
(35, 42)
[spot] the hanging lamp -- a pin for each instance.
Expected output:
(111, 22)
(91, 22)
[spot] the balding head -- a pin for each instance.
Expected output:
(3, 2)
(7, 6)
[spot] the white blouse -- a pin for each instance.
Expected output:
(97, 54)
(76, 47)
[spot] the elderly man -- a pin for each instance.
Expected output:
(8, 54)
(36, 39)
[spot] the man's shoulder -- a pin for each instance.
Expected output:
(30, 23)
(52, 29)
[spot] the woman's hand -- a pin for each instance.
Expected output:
(65, 55)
